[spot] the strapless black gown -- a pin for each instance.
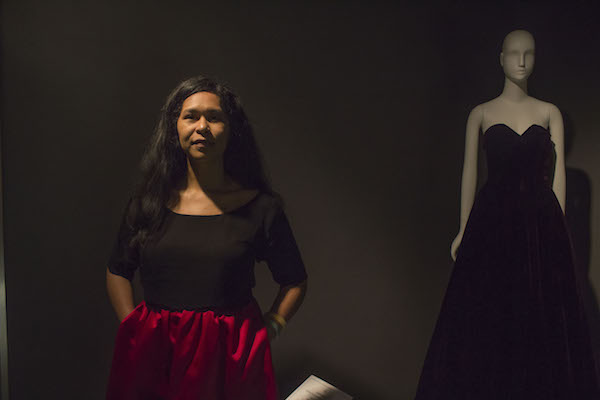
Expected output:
(512, 325)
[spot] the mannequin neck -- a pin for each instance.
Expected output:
(514, 91)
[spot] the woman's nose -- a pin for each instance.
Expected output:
(202, 125)
(522, 60)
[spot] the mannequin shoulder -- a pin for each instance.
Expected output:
(487, 107)
(476, 114)
(552, 111)
(545, 107)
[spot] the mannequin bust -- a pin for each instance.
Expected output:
(518, 111)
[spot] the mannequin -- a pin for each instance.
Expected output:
(519, 111)
(512, 324)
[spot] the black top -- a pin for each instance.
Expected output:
(207, 262)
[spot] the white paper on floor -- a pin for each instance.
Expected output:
(314, 388)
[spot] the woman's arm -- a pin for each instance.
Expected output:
(120, 293)
(469, 174)
(289, 299)
(557, 133)
(286, 304)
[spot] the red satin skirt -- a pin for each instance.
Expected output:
(185, 355)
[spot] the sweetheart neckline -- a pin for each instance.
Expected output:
(515, 132)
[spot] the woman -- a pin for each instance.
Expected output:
(200, 217)
(512, 325)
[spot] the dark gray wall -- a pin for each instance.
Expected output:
(359, 109)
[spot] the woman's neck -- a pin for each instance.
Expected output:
(206, 177)
(514, 91)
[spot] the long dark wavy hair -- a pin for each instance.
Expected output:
(164, 164)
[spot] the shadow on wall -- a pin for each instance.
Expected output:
(578, 214)
(298, 367)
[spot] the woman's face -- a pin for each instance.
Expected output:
(203, 127)
(518, 56)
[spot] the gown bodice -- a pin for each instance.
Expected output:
(521, 163)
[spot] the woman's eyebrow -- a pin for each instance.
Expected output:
(200, 110)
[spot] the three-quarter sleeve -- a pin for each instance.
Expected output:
(280, 250)
(124, 259)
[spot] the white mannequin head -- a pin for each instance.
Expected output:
(518, 55)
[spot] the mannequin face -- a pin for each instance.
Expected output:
(518, 55)
(202, 127)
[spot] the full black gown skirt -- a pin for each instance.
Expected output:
(512, 325)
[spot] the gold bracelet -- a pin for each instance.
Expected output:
(277, 318)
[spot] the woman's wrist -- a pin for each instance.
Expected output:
(277, 318)
(275, 322)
